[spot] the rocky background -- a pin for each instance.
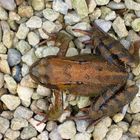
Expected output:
(22, 25)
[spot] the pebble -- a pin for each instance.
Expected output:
(64, 115)
(14, 57)
(133, 36)
(4, 67)
(3, 14)
(42, 34)
(135, 105)
(8, 4)
(33, 38)
(54, 135)
(72, 18)
(81, 125)
(135, 129)
(10, 83)
(128, 18)
(115, 6)
(81, 8)
(35, 123)
(23, 112)
(46, 51)
(49, 26)
(137, 13)
(25, 94)
(43, 136)
(83, 102)
(11, 134)
(100, 131)
(4, 125)
(38, 4)
(91, 6)
(25, 11)
(42, 104)
(50, 14)
(14, 16)
(24, 69)
(1, 80)
(67, 129)
(114, 133)
(29, 58)
(123, 125)
(28, 132)
(43, 91)
(34, 22)
(60, 6)
(51, 125)
(136, 24)
(118, 117)
(71, 52)
(23, 46)
(132, 5)
(103, 24)
(119, 27)
(22, 32)
(17, 123)
(11, 101)
(3, 49)
(102, 2)
(82, 136)
(136, 117)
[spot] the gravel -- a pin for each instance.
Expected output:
(24, 26)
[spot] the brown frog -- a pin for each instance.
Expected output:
(102, 76)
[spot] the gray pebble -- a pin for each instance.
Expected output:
(8, 4)
(16, 73)
(4, 125)
(14, 57)
(114, 5)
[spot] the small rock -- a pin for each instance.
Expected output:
(11, 134)
(43, 136)
(46, 51)
(95, 15)
(128, 18)
(23, 46)
(91, 6)
(7, 115)
(25, 69)
(8, 4)
(42, 104)
(60, 6)
(135, 129)
(72, 18)
(81, 8)
(25, 11)
(71, 52)
(25, 94)
(50, 14)
(42, 34)
(136, 117)
(83, 102)
(11, 101)
(29, 58)
(54, 134)
(133, 36)
(4, 125)
(1, 80)
(23, 112)
(49, 26)
(82, 125)
(28, 132)
(14, 16)
(100, 131)
(123, 125)
(4, 67)
(14, 57)
(137, 13)
(51, 125)
(67, 130)
(22, 31)
(3, 14)
(38, 4)
(118, 117)
(114, 5)
(136, 24)
(3, 49)
(10, 83)
(135, 105)
(132, 5)
(64, 116)
(119, 27)
(43, 91)
(103, 24)
(114, 133)
(34, 22)
(33, 38)
(18, 123)
(82, 136)
(102, 2)
(35, 123)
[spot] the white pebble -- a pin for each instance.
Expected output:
(102, 2)
(3, 14)
(43, 136)
(131, 4)
(49, 26)
(82, 136)
(135, 105)
(43, 91)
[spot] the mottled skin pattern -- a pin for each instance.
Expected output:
(103, 77)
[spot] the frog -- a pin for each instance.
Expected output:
(102, 76)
